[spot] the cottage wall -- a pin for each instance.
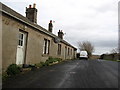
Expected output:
(34, 46)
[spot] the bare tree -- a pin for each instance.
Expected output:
(115, 50)
(87, 46)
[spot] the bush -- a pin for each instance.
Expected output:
(4, 76)
(52, 60)
(41, 64)
(46, 63)
(38, 65)
(49, 61)
(118, 60)
(13, 69)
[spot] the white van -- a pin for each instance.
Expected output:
(83, 55)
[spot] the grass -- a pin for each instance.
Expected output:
(112, 60)
(118, 60)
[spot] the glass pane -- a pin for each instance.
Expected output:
(21, 43)
(21, 36)
(44, 47)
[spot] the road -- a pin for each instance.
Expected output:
(69, 74)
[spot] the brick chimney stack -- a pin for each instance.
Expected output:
(60, 34)
(31, 13)
(50, 26)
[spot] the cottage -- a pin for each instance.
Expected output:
(26, 42)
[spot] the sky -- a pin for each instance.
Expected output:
(81, 20)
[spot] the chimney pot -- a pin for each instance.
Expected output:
(34, 5)
(30, 6)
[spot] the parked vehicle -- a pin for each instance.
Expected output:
(83, 55)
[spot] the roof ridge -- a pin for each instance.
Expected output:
(7, 10)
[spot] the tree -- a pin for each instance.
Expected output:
(87, 46)
(115, 50)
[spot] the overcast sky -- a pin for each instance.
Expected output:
(82, 20)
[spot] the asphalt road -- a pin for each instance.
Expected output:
(69, 74)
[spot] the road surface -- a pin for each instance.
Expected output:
(69, 74)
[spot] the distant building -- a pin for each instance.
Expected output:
(25, 42)
(113, 56)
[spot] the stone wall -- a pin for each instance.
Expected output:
(34, 47)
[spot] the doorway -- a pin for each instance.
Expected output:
(21, 47)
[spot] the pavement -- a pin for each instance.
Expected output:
(69, 74)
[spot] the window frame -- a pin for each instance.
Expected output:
(59, 49)
(46, 46)
(21, 40)
(71, 51)
(68, 51)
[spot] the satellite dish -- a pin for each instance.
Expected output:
(56, 40)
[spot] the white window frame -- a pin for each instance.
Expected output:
(21, 40)
(46, 46)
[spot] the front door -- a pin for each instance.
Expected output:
(21, 48)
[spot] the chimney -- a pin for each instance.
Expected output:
(60, 34)
(31, 13)
(50, 26)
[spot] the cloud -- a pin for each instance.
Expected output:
(81, 20)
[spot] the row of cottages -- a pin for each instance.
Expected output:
(25, 42)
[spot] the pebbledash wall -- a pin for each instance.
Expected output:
(39, 43)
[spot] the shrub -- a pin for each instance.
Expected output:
(52, 60)
(118, 60)
(4, 76)
(13, 69)
(46, 63)
(38, 65)
(41, 64)
(49, 61)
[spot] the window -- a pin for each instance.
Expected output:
(46, 46)
(71, 51)
(68, 51)
(20, 39)
(65, 51)
(59, 49)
